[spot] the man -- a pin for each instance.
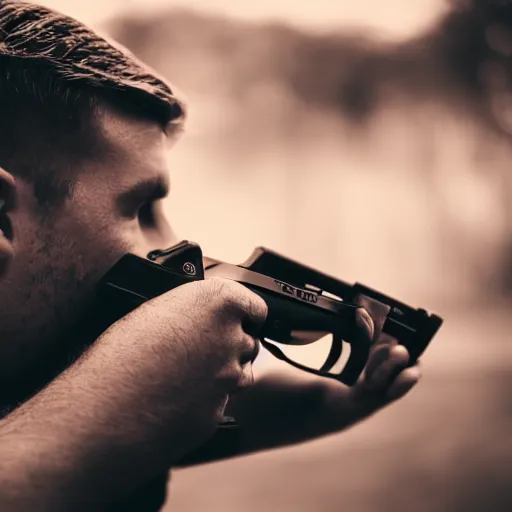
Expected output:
(97, 424)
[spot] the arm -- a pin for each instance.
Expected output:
(72, 448)
(125, 411)
(282, 409)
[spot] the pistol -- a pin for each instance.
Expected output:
(305, 306)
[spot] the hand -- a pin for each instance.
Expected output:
(291, 406)
(152, 388)
(7, 200)
(387, 376)
(179, 357)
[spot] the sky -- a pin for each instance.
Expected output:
(392, 18)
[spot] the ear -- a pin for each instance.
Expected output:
(7, 204)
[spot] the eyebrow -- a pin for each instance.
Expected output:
(154, 188)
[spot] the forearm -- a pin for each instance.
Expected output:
(72, 447)
(43, 470)
(56, 455)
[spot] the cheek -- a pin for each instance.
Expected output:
(53, 276)
(102, 233)
(46, 285)
(139, 240)
(93, 236)
(70, 257)
(104, 227)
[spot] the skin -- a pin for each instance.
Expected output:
(285, 408)
(7, 203)
(59, 259)
(152, 388)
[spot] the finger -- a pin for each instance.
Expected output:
(256, 312)
(251, 350)
(377, 311)
(384, 373)
(7, 203)
(407, 379)
(386, 339)
(365, 323)
(7, 189)
(378, 355)
(239, 301)
(247, 377)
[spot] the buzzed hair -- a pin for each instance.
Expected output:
(55, 73)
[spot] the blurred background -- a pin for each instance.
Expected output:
(370, 139)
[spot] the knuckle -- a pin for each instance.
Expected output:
(228, 302)
(245, 347)
(386, 339)
(242, 349)
(223, 291)
(229, 377)
(211, 294)
(257, 308)
(236, 298)
(251, 308)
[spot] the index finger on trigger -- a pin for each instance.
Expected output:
(377, 311)
(365, 324)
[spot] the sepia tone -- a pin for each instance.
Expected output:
(372, 142)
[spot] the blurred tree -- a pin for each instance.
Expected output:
(462, 63)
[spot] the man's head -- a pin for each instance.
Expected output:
(84, 129)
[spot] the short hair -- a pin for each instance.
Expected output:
(55, 73)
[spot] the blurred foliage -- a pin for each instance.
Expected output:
(462, 60)
(461, 64)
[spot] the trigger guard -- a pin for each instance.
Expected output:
(334, 354)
